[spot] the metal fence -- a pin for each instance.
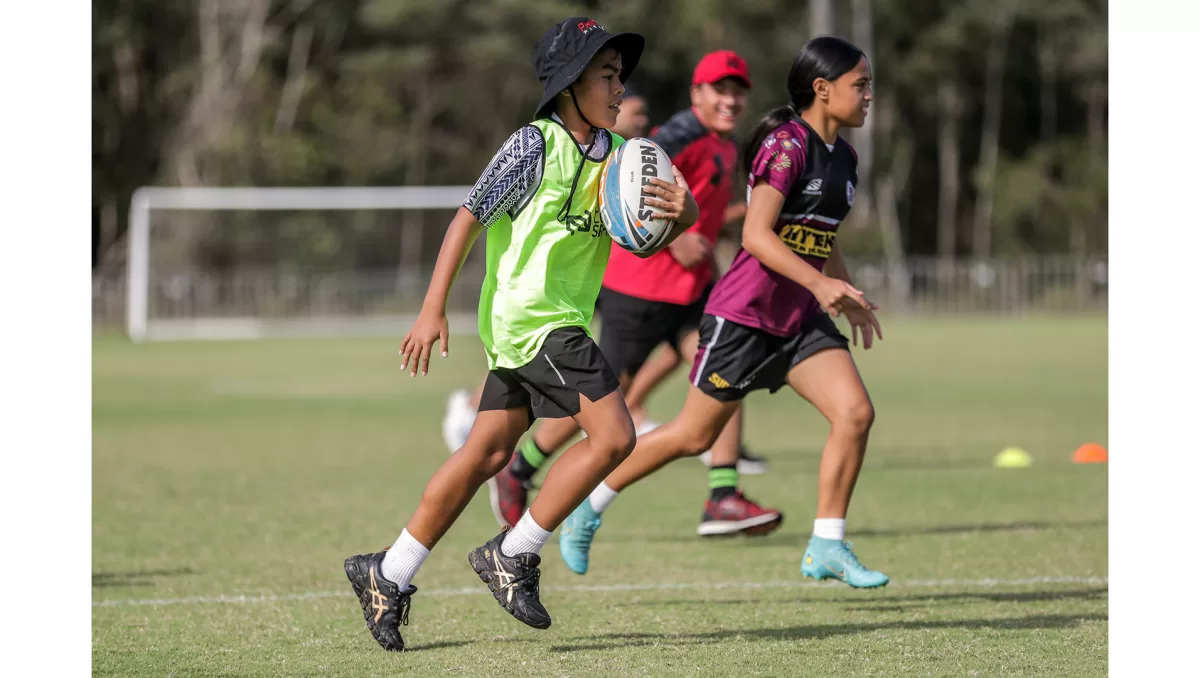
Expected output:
(920, 285)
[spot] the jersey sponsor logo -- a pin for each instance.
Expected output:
(807, 241)
(649, 171)
(718, 381)
(769, 142)
(780, 161)
(850, 192)
(786, 144)
(813, 187)
(588, 223)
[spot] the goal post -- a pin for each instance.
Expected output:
(142, 326)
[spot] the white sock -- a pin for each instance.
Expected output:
(402, 561)
(526, 537)
(601, 497)
(830, 528)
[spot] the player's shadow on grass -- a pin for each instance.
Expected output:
(993, 597)
(801, 538)
(819, 632)
(137, 578)
(440, 645)
(897, 603)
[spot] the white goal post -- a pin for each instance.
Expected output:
(142, 327)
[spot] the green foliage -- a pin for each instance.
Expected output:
(393, 92)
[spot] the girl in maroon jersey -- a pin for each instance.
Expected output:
(767, 321)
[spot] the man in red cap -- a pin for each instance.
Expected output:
(660, 300)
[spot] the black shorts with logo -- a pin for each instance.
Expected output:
(631, 328)
(734, 359)
(548, 386)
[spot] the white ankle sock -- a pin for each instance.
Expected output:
(601, 497)
(526, 537)
(830, 528)
(402, 561)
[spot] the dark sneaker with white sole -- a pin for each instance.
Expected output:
(513, 581)
(384, 606)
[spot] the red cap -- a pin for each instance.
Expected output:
(718, 65)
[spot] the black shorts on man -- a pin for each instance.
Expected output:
(568, 364)
(631, 328)
(734, 360)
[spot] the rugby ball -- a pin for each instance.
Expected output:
(623, 209)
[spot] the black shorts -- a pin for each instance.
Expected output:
(631, 328)
(548, 386)
(734, 360)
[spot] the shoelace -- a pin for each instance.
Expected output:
(529, 582)
(405, 603)
(848, 557)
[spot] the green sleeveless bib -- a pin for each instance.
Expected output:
(544, 274)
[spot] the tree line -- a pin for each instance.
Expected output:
(987, 137)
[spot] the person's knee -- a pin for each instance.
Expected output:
(855, 417)
(615, 443)
(489, 459)
(691, 441)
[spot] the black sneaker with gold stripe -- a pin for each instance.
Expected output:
(384, 606)
(512, 580)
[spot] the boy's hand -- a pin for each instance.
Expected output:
(417, 346)
(672, 197)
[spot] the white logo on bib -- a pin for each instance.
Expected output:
(849, 193)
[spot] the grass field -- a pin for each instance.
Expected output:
(230, 480)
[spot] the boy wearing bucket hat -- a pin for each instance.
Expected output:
(462, 405)
(645, 302)
(546, 254)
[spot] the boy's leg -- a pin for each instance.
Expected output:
(514, 482)
(382, 581)
(568, 377)
(487, 450)
(586, 463)
(630, 330)
(825, 375)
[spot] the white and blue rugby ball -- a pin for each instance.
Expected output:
(629, 220)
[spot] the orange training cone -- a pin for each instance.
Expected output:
(1091, 453)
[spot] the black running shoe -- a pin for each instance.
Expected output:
(512, 580)
(384, 607)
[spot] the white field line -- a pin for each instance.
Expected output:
(606, 588)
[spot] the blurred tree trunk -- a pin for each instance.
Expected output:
(890, 186)
(989, 143)
(1048, 80)
(297, 73)
(862, 34)
(231, 38)
(820, 18)
(416, 172)
(949, 101)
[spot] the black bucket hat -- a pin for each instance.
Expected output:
(563, 52)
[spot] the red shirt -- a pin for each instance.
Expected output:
(707, 162)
